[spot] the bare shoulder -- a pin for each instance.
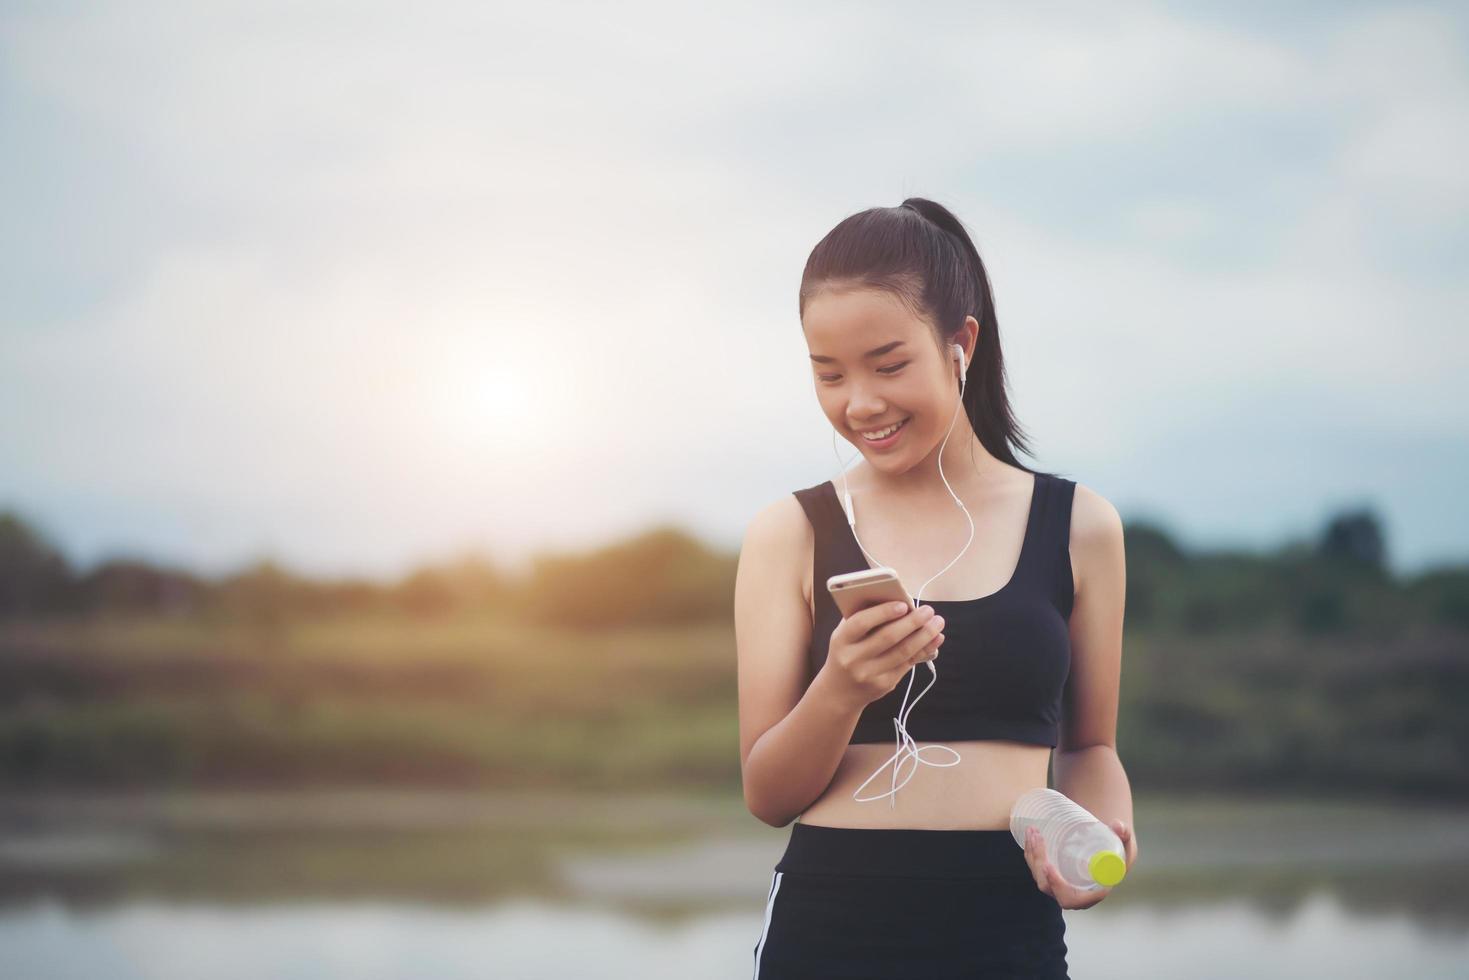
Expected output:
(1096, 534)
(781, 534)
(780, 520)
(772, 621)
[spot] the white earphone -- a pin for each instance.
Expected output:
(906, 742)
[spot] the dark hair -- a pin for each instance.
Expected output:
(921, 254)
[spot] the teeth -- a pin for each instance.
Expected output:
(883, 434)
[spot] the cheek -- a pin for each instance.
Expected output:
(928, 409)
(833, 399)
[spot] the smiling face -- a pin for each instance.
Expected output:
(876, 364)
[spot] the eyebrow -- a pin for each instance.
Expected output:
(875, 352)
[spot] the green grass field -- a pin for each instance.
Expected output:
(480, 701)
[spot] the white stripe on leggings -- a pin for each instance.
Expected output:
(769, 907)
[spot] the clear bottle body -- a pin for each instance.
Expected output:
(1082, 848)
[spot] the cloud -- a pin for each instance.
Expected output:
(381, 279)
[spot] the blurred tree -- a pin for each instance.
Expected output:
(34, 576)
(1444, 595)
(1153, 561)
(345, 596)
(1356, 538)
(264, 595)
(475, 582)
(127, 585)
(426, 593)
(662, 576)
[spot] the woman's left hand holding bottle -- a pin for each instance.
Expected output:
(1049, 880)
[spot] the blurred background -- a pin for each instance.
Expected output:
(385, 389)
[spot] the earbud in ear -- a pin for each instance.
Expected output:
(963, 367)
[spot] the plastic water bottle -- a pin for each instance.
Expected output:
(1086, 851)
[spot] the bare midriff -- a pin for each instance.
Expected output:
(976, 793)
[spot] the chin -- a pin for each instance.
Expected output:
(890, 462)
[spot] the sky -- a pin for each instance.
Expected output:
(358, 287)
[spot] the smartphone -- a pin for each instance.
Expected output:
(855, 591)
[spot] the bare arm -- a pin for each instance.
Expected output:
(792, 737)
(1086, 765)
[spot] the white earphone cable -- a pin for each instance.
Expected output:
(904, 741)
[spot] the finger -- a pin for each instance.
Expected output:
(871, 617)
(917, 643)
(1034, 855)
(932, 633)
(864, 624)
(1070, 896)
(902, 628)
(1079, 899)
(1056, 887)
(1129, 846)
(906, 652)
(931, 651)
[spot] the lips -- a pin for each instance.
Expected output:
(891, 439)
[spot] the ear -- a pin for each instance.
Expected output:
(967, 337)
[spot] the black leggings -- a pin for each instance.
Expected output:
(865, 904)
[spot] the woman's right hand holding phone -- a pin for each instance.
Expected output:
(872, 650)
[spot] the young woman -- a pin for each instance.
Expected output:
(899, 319)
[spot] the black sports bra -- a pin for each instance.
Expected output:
(1006, 656)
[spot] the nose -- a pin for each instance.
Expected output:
(864, 406)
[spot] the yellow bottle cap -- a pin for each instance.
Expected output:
(1107, 868)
